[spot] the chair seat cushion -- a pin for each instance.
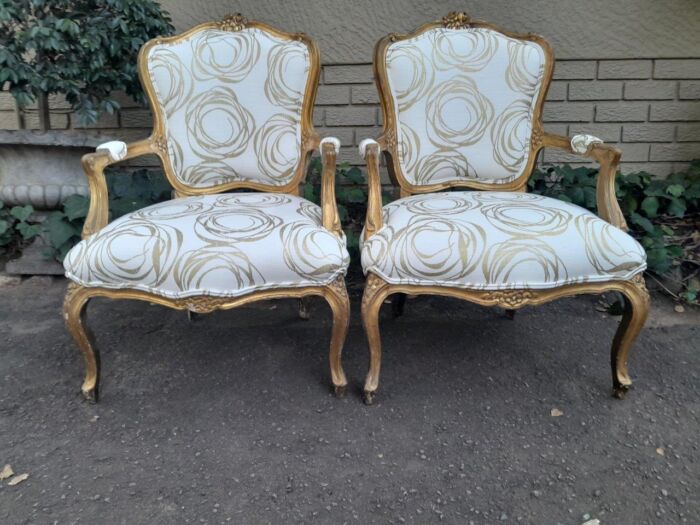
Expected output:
(497, 240)
(221, 245)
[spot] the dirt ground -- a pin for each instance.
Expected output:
(230, 419)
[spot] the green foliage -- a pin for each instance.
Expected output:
(127, 193)
(16, 228)
(663, 214)
(85, 49)
(351, 198)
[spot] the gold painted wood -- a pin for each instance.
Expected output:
(634, 317)
(373, 221)
(94, 164)
(329, 207)
(77, 298)
(388, 138)
(377, 290)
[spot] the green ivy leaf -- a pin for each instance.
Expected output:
(643, 222)
(4, 226)
(22, 213)
(676, 207)
(650, 206)
(76, 207)
(28, 231)
(675, 189)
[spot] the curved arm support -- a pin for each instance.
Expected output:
(330, 147)
(369, 150)
(94, 165)
(608, 157)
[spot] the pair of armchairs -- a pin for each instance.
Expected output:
(462, 103)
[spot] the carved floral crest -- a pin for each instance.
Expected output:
(456, 20)
(233, 22)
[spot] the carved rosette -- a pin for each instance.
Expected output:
(338, 286)
(202, 304)
(160, 145)
(390, 140)
(456, 20)
(537, 138)
(510, 298)
(640, 283)
(235, 22)
(372, 285)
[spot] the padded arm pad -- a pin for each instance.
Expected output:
(363, 147)
(116, 149)
(581, 143)
(330, 140)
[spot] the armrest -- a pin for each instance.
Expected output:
(369, 150)
(608, 157)
(94, 165)
(330, 147)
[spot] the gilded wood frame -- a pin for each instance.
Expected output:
(94, 164)
(608, 158)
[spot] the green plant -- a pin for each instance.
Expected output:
(663, 214)
(351, 197)
(84, 49)
(16, 228)
(127, 192)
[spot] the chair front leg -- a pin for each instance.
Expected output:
(633, 319)
(74, 309)
(376, 290)
(337, 297)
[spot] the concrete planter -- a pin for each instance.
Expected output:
(42, 169)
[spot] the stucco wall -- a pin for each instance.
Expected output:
(627, 70)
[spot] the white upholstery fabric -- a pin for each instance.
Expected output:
(231, 103)
(221, 245)
(581, 143)
(464, 100)
(116, 148)
(497, 240)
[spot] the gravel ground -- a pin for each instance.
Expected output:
(230, 418)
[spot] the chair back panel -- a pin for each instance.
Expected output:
(230, 104)
(463, 104)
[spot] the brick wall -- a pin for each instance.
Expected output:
(649, 108)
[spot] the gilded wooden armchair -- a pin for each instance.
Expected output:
(232, 105)
(462, 104)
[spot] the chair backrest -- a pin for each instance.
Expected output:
(232, 104)
(462, 103)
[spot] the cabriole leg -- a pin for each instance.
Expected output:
(337, 297)
(633, 319)
(74, 309)
(374, 294)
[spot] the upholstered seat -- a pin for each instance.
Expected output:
(218, 245)
(497, 240)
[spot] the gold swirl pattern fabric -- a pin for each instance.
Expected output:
(222, 245)
(495, 241)
(231, 103)
(472, 91)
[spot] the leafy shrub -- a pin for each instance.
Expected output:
(663, 214)
(16, 228)
(85, 49)
(127, 192)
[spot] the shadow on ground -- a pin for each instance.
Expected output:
(230, 418)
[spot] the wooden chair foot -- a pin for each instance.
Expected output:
(339, 390)
(368, 396)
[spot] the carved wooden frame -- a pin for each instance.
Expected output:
(94, 164)
(608, 157)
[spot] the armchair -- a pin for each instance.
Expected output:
(232, 104)
(462, 103)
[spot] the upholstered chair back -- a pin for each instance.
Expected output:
(463, 103)
(229, 102)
